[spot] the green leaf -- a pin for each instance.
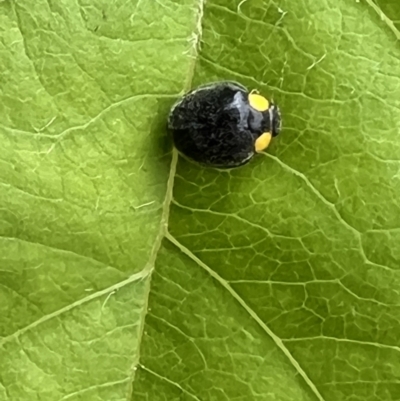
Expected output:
(275, 281)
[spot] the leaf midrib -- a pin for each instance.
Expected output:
(169, 192)
(164, 233)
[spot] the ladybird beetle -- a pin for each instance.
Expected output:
(223, 124)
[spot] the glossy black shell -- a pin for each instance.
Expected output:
(215, 125)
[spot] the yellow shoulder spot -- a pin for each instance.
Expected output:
(258, 102)
(263, 141)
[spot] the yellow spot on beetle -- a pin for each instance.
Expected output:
(263, 141)
(258, 102)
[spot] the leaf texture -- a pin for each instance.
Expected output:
(275, 281)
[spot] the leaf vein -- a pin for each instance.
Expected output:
(56, 249)
(279, 343)
(135, 277)
(170, 382)
(345, 340)
(384, 18)
(98, 386)
(235, 216)
(331, 206)
(170, 185)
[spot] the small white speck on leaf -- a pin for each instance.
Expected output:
(45, 126)
(51, 148)
(108, 297)
(316, 62)
(144, 205)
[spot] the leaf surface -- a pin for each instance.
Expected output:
(275, 281)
